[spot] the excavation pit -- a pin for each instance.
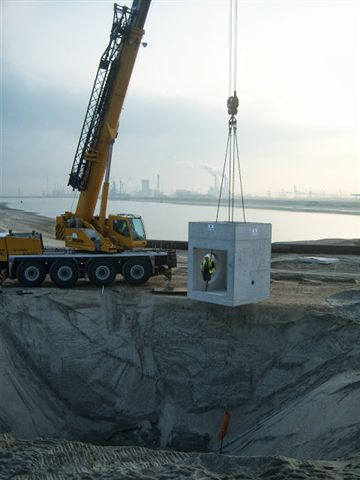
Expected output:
(124, 367)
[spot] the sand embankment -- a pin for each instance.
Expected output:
(21, 221)
(56, 459)
(126, 367)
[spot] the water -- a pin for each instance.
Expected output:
(170, 221)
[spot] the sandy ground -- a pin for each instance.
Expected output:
(20, 221)
(50, 460)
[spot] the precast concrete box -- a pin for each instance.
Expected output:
(241, 253)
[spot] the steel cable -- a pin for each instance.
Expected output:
(232, 149)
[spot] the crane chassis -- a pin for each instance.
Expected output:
(64, 266)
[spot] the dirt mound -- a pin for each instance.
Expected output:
(347, 297)
(72, 460)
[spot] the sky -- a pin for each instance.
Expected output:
(298, 83)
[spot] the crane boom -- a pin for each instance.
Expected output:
(106, 101)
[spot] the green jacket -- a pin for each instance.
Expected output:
(207, 264)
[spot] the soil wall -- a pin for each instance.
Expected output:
(125, 367)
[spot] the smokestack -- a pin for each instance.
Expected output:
(158, 183)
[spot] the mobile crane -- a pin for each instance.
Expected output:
(97, 247)
(82, 230)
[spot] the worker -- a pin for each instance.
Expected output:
(121, 226)
(124, 229)
(207, 268)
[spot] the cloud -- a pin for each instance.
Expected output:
(298, 85)
(53, 42)
(172, 137)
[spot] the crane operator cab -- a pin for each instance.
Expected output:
(117, 233)
(128, 230)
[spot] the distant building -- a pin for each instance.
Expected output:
(214, 192)
(186, 193)
(113, 190)
(145, 188)
(59, 191)
(158, 192)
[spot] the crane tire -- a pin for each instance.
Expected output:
(31, 274)
(64, 273)
(101, 272)
(137, 271)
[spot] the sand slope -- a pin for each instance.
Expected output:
(126, 367)
(50, 460)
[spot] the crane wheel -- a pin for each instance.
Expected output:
(31, 274)
(64, 273)
(101, 272)
(137, 272)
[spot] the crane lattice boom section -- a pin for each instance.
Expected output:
(86, 149)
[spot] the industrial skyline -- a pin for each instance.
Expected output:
(152, 188)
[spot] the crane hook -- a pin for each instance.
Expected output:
(232, 104)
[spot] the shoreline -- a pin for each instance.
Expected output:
(274, 205)
(340, 207)
(18, 219)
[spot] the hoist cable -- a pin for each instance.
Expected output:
(229, 175)
(232, 149)
(222, 178)
(233, 174)
(240, 178)
(233, 21)
(230, 46)
(235, 44)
